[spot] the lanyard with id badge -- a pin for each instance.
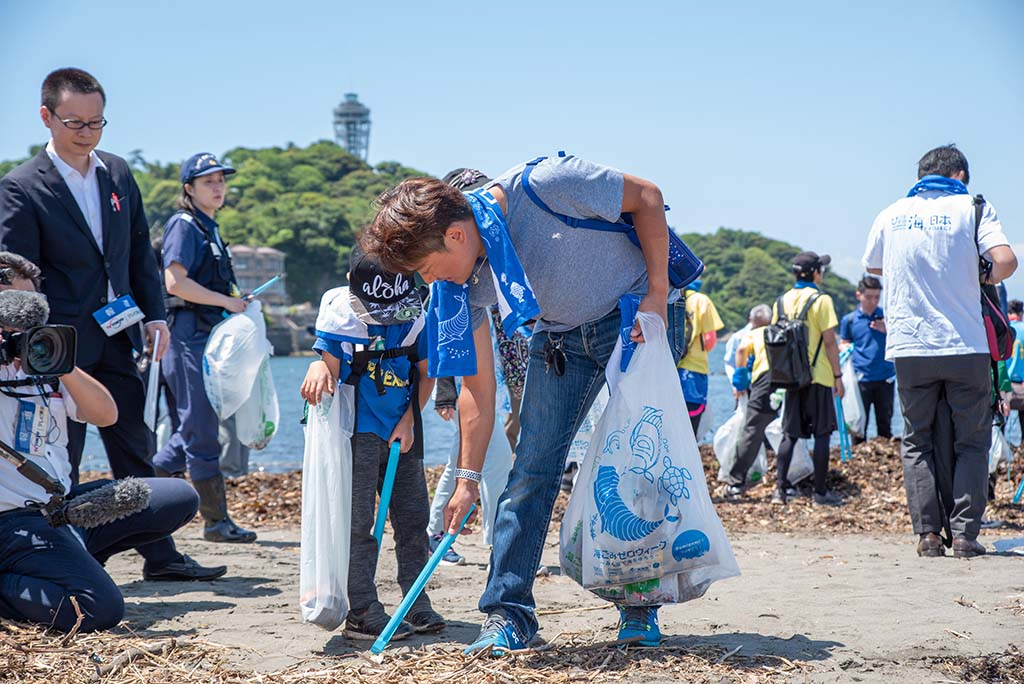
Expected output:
(32, 427)
(118, 315)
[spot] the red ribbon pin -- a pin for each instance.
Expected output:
(115, 202)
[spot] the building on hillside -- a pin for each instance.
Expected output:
(255, 266)
(352, 126)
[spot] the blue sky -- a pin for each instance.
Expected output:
(799, 120)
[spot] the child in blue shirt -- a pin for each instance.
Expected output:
(369, 336)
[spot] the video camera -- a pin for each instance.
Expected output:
(45, 351)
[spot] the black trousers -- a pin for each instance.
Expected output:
(880, 395)
(128, 442)
(947, 415)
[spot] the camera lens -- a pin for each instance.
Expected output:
(45, 351)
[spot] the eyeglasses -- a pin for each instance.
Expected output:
(77, 125)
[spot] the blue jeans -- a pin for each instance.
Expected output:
(41, 567)
(552, 410)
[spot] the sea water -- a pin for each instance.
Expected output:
(285, 450)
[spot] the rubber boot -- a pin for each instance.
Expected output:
(213, 506)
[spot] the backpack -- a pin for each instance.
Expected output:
(786, 343)
(998, 331)
(683, 265)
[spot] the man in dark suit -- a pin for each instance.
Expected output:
(77, 214)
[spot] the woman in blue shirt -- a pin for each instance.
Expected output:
(201, 286)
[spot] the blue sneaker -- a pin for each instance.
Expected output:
(640, 621)
(500, 634)
(450, 557)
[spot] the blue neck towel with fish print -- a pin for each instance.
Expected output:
(451, 350)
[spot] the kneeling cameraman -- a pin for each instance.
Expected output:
(44, 565)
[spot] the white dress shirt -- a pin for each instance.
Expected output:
(86, 191)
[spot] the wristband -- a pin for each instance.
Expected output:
(467, 474)
(837, 377)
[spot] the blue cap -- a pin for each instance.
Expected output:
(200, 165)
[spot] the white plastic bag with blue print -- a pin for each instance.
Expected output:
(326, 510)
(640, 528)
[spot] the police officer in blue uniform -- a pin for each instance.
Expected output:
(201, 286)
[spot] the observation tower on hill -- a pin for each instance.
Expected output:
(352, 126)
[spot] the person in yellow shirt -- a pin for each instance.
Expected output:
(809, 411)
(703, 324)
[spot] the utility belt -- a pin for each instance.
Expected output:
(360, 364)
(207, 316)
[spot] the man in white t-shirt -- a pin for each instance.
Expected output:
(925, 246)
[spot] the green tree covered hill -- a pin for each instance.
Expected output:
(746, 268)
(310, 202)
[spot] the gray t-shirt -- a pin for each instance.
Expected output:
(577, 274)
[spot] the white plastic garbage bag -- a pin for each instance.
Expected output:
(853, 405)
(257, 419)
(1000, 451)
(706, 423)
(228, 368)
(580, 444)
(231, 360)
(801, 466)
(326, 510)
(640, 527)
(724, 444)
(149, 412)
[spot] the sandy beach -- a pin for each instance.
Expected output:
(837, 608)
(825, 595)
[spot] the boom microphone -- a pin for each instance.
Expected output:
(102, 505)
(20, 310)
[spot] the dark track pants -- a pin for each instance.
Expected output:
(128, 442)
(41, 567)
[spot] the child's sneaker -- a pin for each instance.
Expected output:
(639, 621)
(368, 625)
(426, 621)
(450, 557)
(500, 634)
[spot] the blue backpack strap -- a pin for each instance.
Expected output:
(684, 265)
(571, 221)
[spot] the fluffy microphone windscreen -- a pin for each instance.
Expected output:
(20, 310)
(107, 504)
